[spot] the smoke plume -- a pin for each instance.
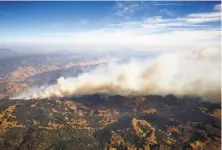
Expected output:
(191, 73)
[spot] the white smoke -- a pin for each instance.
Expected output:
(194, 73)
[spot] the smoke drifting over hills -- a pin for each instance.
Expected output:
(191, 73)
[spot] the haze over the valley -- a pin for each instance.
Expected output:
(170, 73)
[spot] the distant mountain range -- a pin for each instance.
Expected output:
(4, 52)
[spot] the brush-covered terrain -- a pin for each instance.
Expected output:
(110, 122)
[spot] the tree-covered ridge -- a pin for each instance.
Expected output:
(110, 122)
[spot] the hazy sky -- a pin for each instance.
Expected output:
(158, 26)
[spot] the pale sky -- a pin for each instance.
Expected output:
(149, 26)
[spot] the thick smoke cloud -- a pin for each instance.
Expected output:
(195, 73)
